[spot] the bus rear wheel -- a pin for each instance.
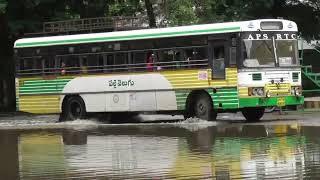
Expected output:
(203, 108)
(74, 108)
(253, 114)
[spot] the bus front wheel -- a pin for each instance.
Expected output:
(253, 114)
(74, 108)
(203, 108)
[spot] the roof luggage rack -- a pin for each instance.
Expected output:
(90, 25)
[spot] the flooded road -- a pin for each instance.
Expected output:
(194, 149)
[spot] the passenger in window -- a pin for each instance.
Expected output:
(177, 59)
(219, 56)
(189, 55)
(149, 65)
(63, 68)
(84, 64)
(159, 68)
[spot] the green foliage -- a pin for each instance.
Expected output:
(125, 8)
(29, 15)
(230, 10)
(180, 12)
(3, 5)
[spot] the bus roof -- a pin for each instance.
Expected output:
(239, 26)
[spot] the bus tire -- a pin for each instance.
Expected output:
(203, 108)
(74, 108)
(253, 114)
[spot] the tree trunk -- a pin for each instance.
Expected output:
(150, 13)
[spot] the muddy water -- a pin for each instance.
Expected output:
(160, 151)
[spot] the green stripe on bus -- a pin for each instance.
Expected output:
(272, 101)
(225, 98)
(131, 37)
(42, 86)
(181, 98)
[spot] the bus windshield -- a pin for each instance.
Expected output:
(259, 53)
(287, 52)
(265, 53)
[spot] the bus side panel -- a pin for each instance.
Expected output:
(185, 81)
(117, 102)
(166, 100)
(143, 101)
(39, 96)
(135, 92)
(225, 93)
(39, 104)
(94, 102)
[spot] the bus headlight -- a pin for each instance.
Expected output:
(256, 91)
(296, 91)
(260, 91)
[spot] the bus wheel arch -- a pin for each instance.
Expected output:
(73, 107)
(199, 104)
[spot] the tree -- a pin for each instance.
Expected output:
(150, 13)
(180, 12)
(126, 8)
(3, 5)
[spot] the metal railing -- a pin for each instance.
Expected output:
(307, 69)
(91, 25)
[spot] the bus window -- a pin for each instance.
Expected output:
(166, 59)
(177, 59)
(217, 58)
(130, 61)
(48, 66)
(150, 61)
(83, 64)
(233, 55)
(69, 65)
(139, 60)
(25, 66)
(95, 63)
(196, 57)
(287, 52)
(120, 62)
(200, 57)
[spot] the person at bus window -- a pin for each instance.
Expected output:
(63, 68)
(219, 56)
(177, 59)
(84, 65)
(149, 65)
(189, 55)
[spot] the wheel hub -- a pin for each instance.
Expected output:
(201, 110)
(75, 109)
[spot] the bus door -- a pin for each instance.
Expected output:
(217, 58)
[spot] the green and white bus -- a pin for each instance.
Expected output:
(197, 71)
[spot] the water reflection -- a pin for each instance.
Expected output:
(9, 166)
(162, 152)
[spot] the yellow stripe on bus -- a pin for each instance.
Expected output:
(243, 92)
(39, 104)
(184, 79)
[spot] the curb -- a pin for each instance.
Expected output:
(312, 103)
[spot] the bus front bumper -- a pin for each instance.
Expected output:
(271, 101)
